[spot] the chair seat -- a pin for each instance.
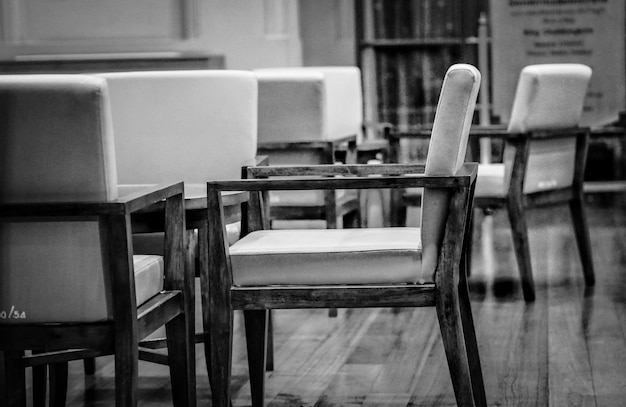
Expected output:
(148, 276)
(327, 257)
(490, 181)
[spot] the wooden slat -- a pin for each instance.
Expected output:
(156, 311)
(342, 183)
(329, 296)
(60, 356)
(91, 335)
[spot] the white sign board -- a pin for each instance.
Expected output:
(591, 32)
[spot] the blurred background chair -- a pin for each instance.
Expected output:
(306, 116)
(543, 159)
(67, 268)
(354, 268)
(184, 125)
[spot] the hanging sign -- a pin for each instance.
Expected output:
(591, 32)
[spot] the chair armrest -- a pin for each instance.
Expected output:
(328, 170)
(425, 131)
(144, 196)
(134, 201)
(358, 176)
(304, 145)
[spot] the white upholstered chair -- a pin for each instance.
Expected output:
(305, 115)
(353, 268)
(184, 125)
(544, 158)
(68, 273)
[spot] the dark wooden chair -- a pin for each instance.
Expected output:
(352, 268)
(544, 159)
(67, 268)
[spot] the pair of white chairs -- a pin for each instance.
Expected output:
(545, 151)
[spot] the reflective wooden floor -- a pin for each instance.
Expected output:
(568, 348)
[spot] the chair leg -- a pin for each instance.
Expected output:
(451, 326)
(521, 245)
(398, 208)
(89, 366)
(469, 246)
(221, 350)
(126, 371)
(181, 358)
(14, 379)
(58, 384)
(353, 219)
(581, 230)
(269, 355)
(256, 340)
(40, 384)
(471, 345)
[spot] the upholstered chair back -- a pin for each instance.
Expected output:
(446, 153)
(56, 145)
(548, 97)
(183, 125)
(307, 104)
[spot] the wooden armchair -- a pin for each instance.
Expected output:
(352, 268)
(544, 159)
(68, 273)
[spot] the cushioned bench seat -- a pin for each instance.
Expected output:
(327, 256)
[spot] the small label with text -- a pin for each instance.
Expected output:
(13, 313)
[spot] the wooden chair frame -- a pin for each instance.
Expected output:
(448, 293)
(326, 151)
(517, 202)
(55, 344)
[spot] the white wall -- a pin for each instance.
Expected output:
(249, 33)
(327, 31)
(253, 33)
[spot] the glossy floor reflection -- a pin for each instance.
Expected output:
(568, 348)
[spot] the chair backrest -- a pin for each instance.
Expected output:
(548, 97)
(183, 125)
(309, 103)
(56, 145)
(446, 153)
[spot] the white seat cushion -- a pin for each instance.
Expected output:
(148, 277)
(490, 181)
(327, 257)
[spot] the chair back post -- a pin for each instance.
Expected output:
(124, 308)
(175, 243)
(580, 162)
(467, 237)
(449, 259)
(218, 246)
(520, 146)
(446, 153)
